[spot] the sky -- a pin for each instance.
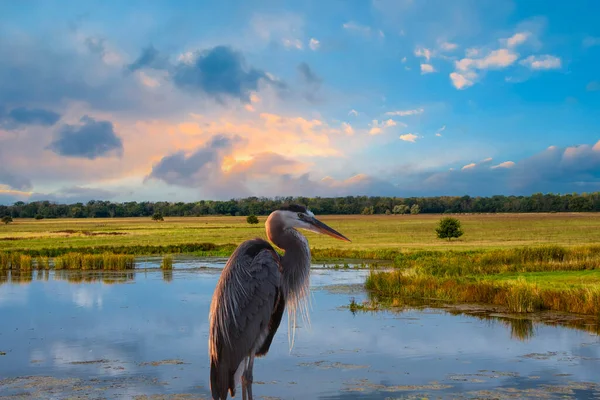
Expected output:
(190, 100)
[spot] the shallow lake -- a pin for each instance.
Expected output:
(122, 335)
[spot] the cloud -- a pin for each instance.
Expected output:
(447, 46)
(347, 128)
(353, 112)
(427, 69)
(91, 139)
(543, 62)
(307, 74)
(13, 181)
(466, 75)
(217, 72)
(469, 166)
(423, 52)
(314, 44)
(591, 41)
(193, 170)
(516, 39)
(292, 44)
(22, 116)
(404, 113)
(74, 194)
(463, 80)
(593, 86)
(378, 127)
(353, 26)
(505, 164)
(409, 137)
(439, 131)
(150, 58)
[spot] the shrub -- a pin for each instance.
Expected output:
(449, 228)
(252, 219)
(415, 209)
(39, 216)
(157, 216)
(7, 219)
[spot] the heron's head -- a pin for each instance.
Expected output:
(299, 217)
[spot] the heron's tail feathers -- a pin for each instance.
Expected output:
(221, 381)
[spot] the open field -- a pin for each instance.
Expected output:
(368, 233)
(526, 262)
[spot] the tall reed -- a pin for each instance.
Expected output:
(167, 262)
(516, 295)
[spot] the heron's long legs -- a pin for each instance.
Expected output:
(247, 377)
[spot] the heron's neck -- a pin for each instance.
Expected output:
(295, 262)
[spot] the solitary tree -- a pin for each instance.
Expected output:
(7, 219)
(449, 228)
(157, 216)
(368, 210)
(415, 209)
(252, 219)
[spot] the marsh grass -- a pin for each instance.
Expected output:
(108, 278)
(516, 295)
(167, 262)
(106, 261)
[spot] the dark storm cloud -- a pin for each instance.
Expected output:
(308, 75)
(150, 58)
(91, 139)
(220, 71)
(13, 180)
(198, 168)
(21, 116)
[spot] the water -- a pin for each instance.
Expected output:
(147, 334)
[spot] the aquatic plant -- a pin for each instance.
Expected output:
(167, 262)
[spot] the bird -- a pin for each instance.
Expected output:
(254, 289)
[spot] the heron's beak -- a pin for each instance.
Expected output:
(322, 228)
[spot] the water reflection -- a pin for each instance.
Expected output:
(145, 337)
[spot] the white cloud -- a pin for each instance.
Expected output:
(516, 39)
(292, 44)
(353, 112)
(447, 46)
(505, 164)
(314, 44)
(465, 75)
(438, 133)
(472, 52)
(353, 26)
(423, 52)
(469, 166)
(378, 127)
(409, 137)
(591, 41)
(404, 113)
(347, 128)
(463, 80)
(427, 69)
(403, 60)
(542, 62)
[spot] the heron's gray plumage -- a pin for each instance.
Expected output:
(255, 288)
(241, 311)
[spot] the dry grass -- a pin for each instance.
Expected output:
(369, 233)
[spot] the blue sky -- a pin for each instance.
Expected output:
(197, 100)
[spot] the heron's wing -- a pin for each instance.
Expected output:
(243, 304)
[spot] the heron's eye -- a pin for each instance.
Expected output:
(300, 215)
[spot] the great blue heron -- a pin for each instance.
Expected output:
(253, 291)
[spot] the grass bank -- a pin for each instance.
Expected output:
(522, 279)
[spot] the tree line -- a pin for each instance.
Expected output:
(584, 202)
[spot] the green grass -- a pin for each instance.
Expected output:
(372, 235)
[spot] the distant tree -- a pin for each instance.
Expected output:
(368, 210)
(449, 228)
(39, 216)
(157, 216)
(7, 219)
(415, 209)
(252, 219)
(400, 209)
(388, 212)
